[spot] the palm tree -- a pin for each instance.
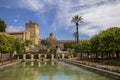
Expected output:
(77, 19)
(75, 35)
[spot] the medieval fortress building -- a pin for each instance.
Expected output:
(31, 33)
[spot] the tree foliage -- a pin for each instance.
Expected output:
(9, 44)
(28, 43)
(84, 46)
(45, 42)
(70, 45)
(2, 26)
(106, 42)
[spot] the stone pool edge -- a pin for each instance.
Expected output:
(111, 74)
(3, 67)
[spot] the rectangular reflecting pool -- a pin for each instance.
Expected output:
(49, 71)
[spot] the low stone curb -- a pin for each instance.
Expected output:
(111, 74)
(5, 66)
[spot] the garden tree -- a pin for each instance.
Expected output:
(69, 45)
(117, 42)
(96, 44)
(11, 42)
(19, 46)
(81, 50)
(7, 44)
(75, 35)
(111, 40)
(4, 44)
(77, 19)
(2, 26)
(107, 41)
(45, 43)
(7, 41)
(85, 47)
(28, 43)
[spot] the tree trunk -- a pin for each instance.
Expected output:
(96, 55)
(77, 33)
(0, 57)
(106, 55)
(81, 55)
(76, 39)
(88, 54)
(1, 61)
(109, 55)
(102, 55)
(117, 55)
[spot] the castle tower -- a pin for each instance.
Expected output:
(32, 29)
(52, 37)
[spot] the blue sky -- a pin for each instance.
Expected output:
(55, 16)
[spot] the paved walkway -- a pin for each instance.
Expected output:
(98, 65)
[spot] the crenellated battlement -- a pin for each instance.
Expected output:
(30, 24)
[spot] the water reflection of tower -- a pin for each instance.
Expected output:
(32, 63)
(24, 64)
(52, 63)
(33, 71)
(39, 64)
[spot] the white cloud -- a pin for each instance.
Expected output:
(33, 5)
(98, 14)
(14, 29)
(103, 17)
(37, 5)
(15, 20)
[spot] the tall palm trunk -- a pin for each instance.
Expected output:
(75, 38)
(77, 32)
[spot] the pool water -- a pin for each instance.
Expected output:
(50, 70)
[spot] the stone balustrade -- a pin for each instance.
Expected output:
(40, 57)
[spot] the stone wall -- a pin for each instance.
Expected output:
(19, 35)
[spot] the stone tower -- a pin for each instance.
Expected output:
(52, 37)
(32, 32)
